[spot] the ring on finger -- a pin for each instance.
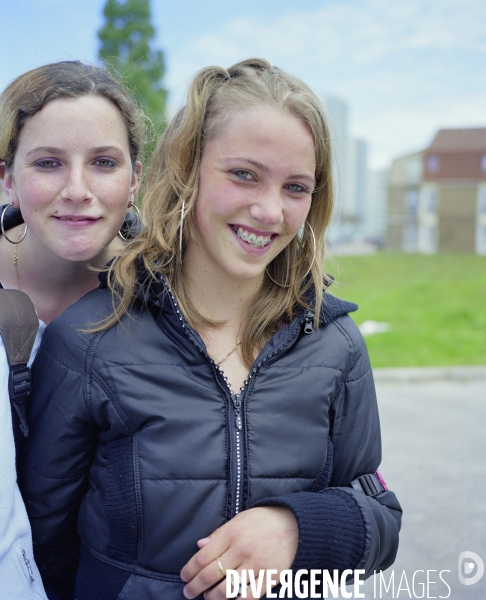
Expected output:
(220, 566)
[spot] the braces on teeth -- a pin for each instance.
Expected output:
(255, 240)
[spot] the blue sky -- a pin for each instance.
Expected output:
(405, 68)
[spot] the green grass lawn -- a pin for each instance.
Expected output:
(435, 305)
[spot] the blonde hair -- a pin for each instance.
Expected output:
(172, 182)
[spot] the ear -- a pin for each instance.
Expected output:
(135, 183)
(8, 184)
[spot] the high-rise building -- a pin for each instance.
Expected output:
(337, 112)
(360, 199)
(357, 188)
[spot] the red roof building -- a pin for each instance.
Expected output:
(451, 209)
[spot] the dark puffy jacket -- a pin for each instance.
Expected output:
(135, 430)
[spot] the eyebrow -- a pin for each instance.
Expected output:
(265, 169)
(255, 163)
(54, 150)
(103, 149)
(48, 149)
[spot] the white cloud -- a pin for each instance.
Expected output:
(401, 66)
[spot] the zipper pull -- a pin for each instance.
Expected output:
(237, 403)
(238, 422)
(308, 323)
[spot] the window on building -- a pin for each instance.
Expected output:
(433, 163)
(432, 203)
(482, 202)
(411, 202)
(428, 201)
(483, 162)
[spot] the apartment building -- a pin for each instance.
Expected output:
(437, 198)
(404, 180)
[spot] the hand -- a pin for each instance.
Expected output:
(259, 538)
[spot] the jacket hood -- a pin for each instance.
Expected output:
(333, 307)
(150, 292)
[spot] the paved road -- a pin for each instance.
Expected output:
(434, 458)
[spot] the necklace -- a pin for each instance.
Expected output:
(229, 354)
(15, 259)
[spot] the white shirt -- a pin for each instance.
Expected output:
(19, 576)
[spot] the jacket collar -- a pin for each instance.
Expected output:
(148, 290)
(151, 291)
(333, 307)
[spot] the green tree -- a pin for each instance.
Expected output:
(126, 39)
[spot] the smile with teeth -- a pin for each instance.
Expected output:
(260, 241)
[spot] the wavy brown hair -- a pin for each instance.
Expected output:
(214, 96)
(31, 91)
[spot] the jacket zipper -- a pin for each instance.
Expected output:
(236, 426)
(237, 399)
(308, 321)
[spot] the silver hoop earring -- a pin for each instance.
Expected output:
(132, 205)
(286, 285)
(3, 229)
(181, 227)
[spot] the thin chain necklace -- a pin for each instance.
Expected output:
(229, 353)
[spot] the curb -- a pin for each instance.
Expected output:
(416, 374)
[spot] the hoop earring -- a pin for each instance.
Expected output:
(181, 226)
(3, 229)
(132, 205)
(286, 285)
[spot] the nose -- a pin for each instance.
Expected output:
(267, 207)
(76, 187)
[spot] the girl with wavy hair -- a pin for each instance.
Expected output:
(214, 408)
(70, 143)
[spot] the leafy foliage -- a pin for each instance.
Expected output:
(126, 39)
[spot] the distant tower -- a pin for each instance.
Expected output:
(357, 193)
(337, 112)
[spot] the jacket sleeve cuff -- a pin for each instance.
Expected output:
(332, 533)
